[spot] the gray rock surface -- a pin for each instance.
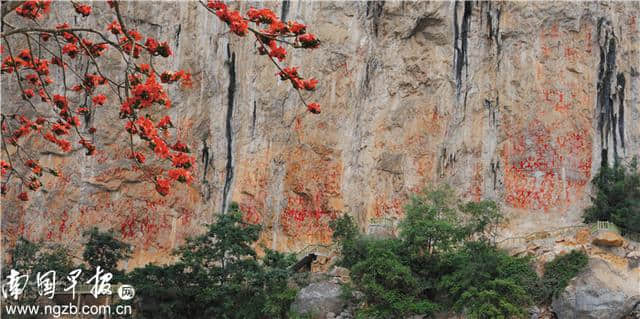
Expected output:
(602, 291)
(319, 300)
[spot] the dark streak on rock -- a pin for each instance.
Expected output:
(461, 33)
(229, 129)
(205, 160)
(253, 120)
(493, 26)
(178, 35)
(374, 12)
(620, 93)
(370, 68)
(285, 10)
(494, 170)
(607, 118)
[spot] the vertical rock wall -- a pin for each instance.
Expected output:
(511, 101)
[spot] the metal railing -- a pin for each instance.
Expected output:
(318, 249)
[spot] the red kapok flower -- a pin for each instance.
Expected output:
(182, 160)
(138, 156)
(162, 186)
(83, 9)
(28, 93)
(180, 147)
(163, 50)
(181, 175)
(70, 49)
(114, 27)
(160, 147)
(313, 108)
(216, 5)
(164, 123)
(99, 99)
(152, 45)
(238, 24)
(4, 166)
(309, 41)
(23, 196)
(297, 28)
(60, 101)
(310, 84)
(279, 53)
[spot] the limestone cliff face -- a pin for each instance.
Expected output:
(516, 102)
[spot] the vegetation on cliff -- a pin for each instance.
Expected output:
(617, 196)
(445, 259)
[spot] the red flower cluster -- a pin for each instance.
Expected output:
(291, 73)
(144, 95)
(184, 77)
(308, 41)
(34, 9)
(63, 144)
(268, 39)
(181, 175)
(94, 50)
(83, 9)
(155, 48)
(162, 186)
(23, 196)
(99, 99)
(164, 123)
(4, 166)
(142, 92)
(114, 27)
(233, 18)
(70, 49)
(313, 108)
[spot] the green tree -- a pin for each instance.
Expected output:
(32, 258)
(390, 287)
(559, 271)
(488, 283)
(353, 247)
(617, 196)
(104, 250)
(218, 275)
(432, 222)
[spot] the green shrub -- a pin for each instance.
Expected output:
(218, 275)
(104, 250)
(390, 287)
(559, 272)
(486, 282)
(443, 259)
(617, 197)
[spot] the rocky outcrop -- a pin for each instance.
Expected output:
(608, 239)
(604, 290)
(319, 299)
(519, 102)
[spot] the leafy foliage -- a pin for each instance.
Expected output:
(104, 250)
(617, 197)
(219, 275)
(31, 258)
(444, 258)
(486, 282)
(390, 287)
(353, 248)
(560, 271)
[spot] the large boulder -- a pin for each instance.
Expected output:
(608, 239)
(604, 290)
(319, 299)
